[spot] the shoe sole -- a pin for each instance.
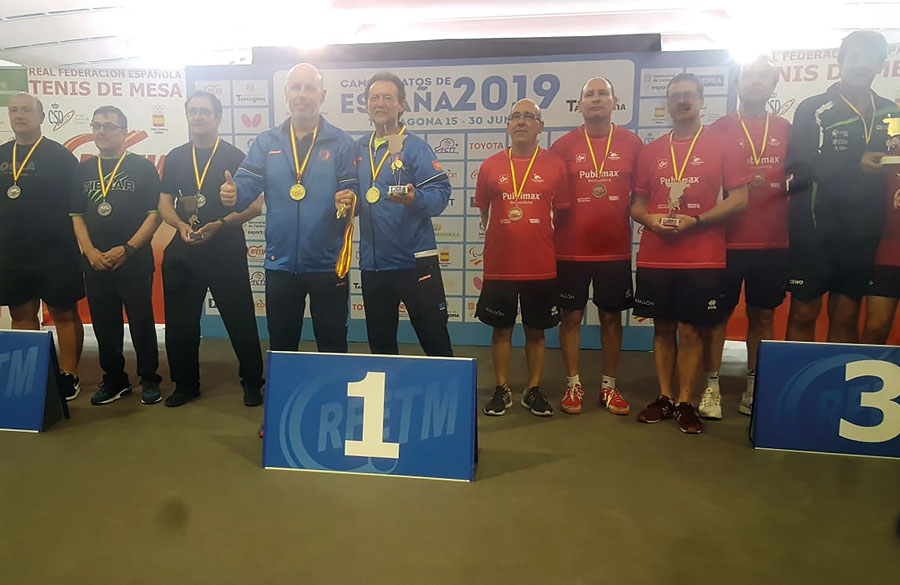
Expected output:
(570, 410)
(73, 396)
(619, 411)
(159, 399)
(121, 394)
(191, 399)
(494, 412)
(710, 416)
(535, 412)
(745, 410)
(687, 432)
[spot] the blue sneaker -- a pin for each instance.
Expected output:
(150, 393)
(110, 391)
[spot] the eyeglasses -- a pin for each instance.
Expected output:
(106, 127)
(683, 96)
(197, 112)
(527, 116)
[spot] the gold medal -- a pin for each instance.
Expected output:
(396, 165)
(298, 191)
(373, 195)
(516, 213)
(13, 192)
(758, 180)
(104, 209)
(599, 191)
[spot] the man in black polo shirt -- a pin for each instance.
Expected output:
(836, 192)
(38, 252)
(207, 252)
(114, 213)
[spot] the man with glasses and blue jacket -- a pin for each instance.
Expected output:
(404, 186)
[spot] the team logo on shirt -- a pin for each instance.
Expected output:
(662, 164)
(504, 179)
(614, 156)
(537, 178)
(774, 142)
(696, 160)
(324, 155)
(580, 157)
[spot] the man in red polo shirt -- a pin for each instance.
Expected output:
(757, 240)
(884, 284)
(593, 238)
(681, 260)
(517, 191)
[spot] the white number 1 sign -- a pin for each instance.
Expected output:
(371, 390)
(883, 400)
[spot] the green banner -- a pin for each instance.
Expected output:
(13, 80)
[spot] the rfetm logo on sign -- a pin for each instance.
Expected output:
(17, 369)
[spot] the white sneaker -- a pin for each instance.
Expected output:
(711, 404)
(746, 406)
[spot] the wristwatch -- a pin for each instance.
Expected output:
(129, 250)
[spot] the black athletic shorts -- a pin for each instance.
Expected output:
(613, 287)
(885, 282)
(764, 274)
(54, 277)
(693, 295)
(831, 265)
(499, 300)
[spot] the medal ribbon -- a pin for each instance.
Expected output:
(200, 178)
(867, 128)
(675, 170)
(16, 174)
(591, 149)
(517, 191)
(104, 187)
(343, 262)
(375, 171)
(756, 157)
(302, 169)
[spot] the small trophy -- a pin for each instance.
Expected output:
(893, 138)
(190, 205)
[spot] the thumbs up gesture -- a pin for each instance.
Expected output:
(228, 191)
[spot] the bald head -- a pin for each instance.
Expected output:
(26, 113)
(305, 94)
(598, 82)
(597, 102)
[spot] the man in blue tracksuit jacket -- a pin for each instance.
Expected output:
(301, 165)
(398, 253)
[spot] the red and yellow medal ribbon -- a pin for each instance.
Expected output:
(346, 255)
(762, 150)
(297, 167)
(200, 178)
(517, 190)
(377, 170)
(105, 187)
(17, 173)
(678, 173)
(587, 138)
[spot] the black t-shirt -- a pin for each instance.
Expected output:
(178, 175)
(39, 218)
(133, 194)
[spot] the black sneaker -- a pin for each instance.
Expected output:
(182, 396)
(252, 395)
(499, 402)
(150, 392)
(535, 401)
(70, 385)
(110, 390)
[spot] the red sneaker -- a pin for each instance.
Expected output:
(613, 401)
(571, 401)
